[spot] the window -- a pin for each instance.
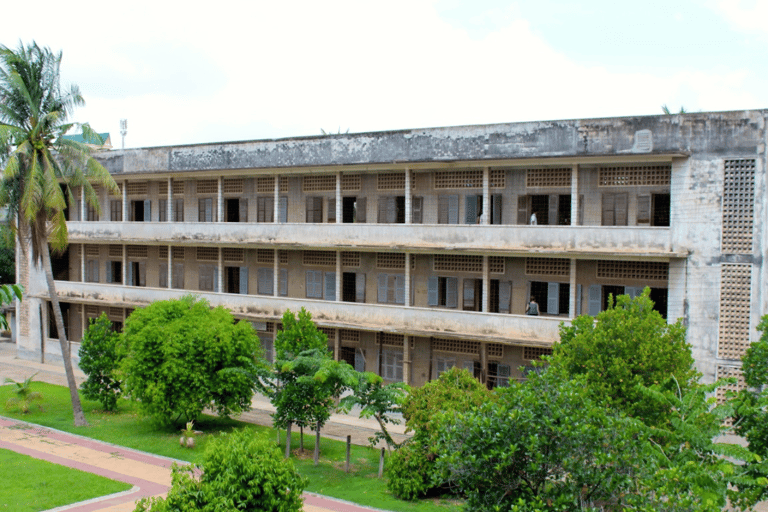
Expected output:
(553, 298)
(443, 291)
(653, 209)
(116, 210)
(314, 209)
(498, 375)
(353, 287)
(353, 209)
(236, 280)
(315, 288)
(92, 271)
(205, 210)
(178, 276)
(614, 209)
(265, 209)
(265, 282)
(473, 209)
(207, 278)
(91, 213)
(448, 209)
(550, 209)
(236, 210)
(114, 271)
(178, 210)
(391, 289)
(137, 273)
(391, 210)
(443, 364)
(392, 364)
(141, 211)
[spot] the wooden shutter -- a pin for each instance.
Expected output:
(399, 289)
(581, 210)
(442, 209)
(621, 209)
(644, 209)
(243, 280)
(595, 301)
(470, 209)
(417, 206)
(453, 209)
(310, 213)
(331, 210)
(215, 270)
(554, 207)
(330, 286)
(142, 273)
(609, 210)
(283, 210)
(633, 291)
(469, 295)
(147, 210)
(381, 288)
(109, 271)
(360, 287)
(265, 281)
(496, 216)
(359, 360)
(162, 274)
(360, 209)
(452, 291)
(178, 276)
(522, 210)
(265, 209)
(553, 298)
(162, 210)
(381, 215)
(130, 274)
(432, 291)
(578, 300)
(243, 209)
(505, 295)
(283, 282)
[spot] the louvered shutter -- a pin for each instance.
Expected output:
(442, 209)
(496, 216)
(109, 271)
(360, 287)
(178, 276)
(147, 210)
(391, 210)
(432, 288)
(359, 361)
(283, 282)
(633, 291)
(162, 274)
(505, 295)
(381, 295)
(331, 210)
(469, 295)
(142, 273)
(264, 281)
(310, 214)
(361, 212)
(578, 300)
(609, 209)
(243, 280)
(417, 205)
(399, 289)
(452, 291)
(453, 209)
(553, 298)
(470, 209)
(554, 207)
(243, 210)
(644, 209)
(381, 216)
(595, 297)
(162, 210)
(215, 271)
(522, 210)
(621, 209)
(283, 210)
(130, 274)
(330, 286)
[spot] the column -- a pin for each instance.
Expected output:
(572, 313)
(407, 359)
(337, 345)
(575, 195)
(275, 273)
(220, 206)
(83, 208)
(276, 206)
(169, 208)
(126, 214)
(338, 204)
(170, 262)
(125, 266)
(408, 200)
(407, 300)
(338, 274)
(220, 269)
(486, 284)
(486, 218)
(82, 264)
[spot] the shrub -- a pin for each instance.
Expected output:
(100, 362)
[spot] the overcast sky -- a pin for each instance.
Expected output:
(191, 72)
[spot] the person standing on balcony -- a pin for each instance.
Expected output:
(533, 307)
(534, 221)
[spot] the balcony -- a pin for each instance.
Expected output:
(506, 240)
(498, 328)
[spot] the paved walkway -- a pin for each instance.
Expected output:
(149, 474)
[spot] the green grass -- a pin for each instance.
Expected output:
(30, 484)
(127, 428)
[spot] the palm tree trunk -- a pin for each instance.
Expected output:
(77, 408)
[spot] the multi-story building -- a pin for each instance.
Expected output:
(414, 249)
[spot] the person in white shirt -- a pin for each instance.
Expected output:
(533, 219)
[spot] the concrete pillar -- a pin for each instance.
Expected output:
(486, 284)
(276, 206)
(170, 262)
(575, 195)
(126, 214)
(125, 266)
(220, 206)
(169, 208)
(83, 209)
(407, 301)
(339, 220)
(275, 273)
(407, 359)
(338, 275)
(337, 345)
(82, 264)
(572, 313)
(486, 218)
(408, 199)
(220, 268)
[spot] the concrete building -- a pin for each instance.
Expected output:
(413, 249)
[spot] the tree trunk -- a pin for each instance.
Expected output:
(301, 440)
(317, 445)
(77, 408)
(288, 443)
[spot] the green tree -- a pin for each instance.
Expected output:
(7, 255)
(100, 362)
(238, 472)
(40, 165)
(627, 345)
(178, 356)
(379, 401)
(9, 293)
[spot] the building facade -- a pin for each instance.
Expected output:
(416, 250)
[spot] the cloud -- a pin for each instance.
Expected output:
(745, 15)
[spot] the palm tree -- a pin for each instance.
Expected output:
(41, 167)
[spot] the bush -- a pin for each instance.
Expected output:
(408, 471)
(181, 356)
(100, 362)
(238, 472)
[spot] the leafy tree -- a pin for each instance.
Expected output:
(100, 362)
(9, 293)
(379, 401)
(40, 165)
(627, 345)
(7, 255)
(299, 333)
(238, 472)
(542, 442)
(177, 356)
(411, 469)
(24, 395)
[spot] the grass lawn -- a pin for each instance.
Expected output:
(30, 484)
(127, 428)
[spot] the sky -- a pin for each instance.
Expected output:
(187, 72)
